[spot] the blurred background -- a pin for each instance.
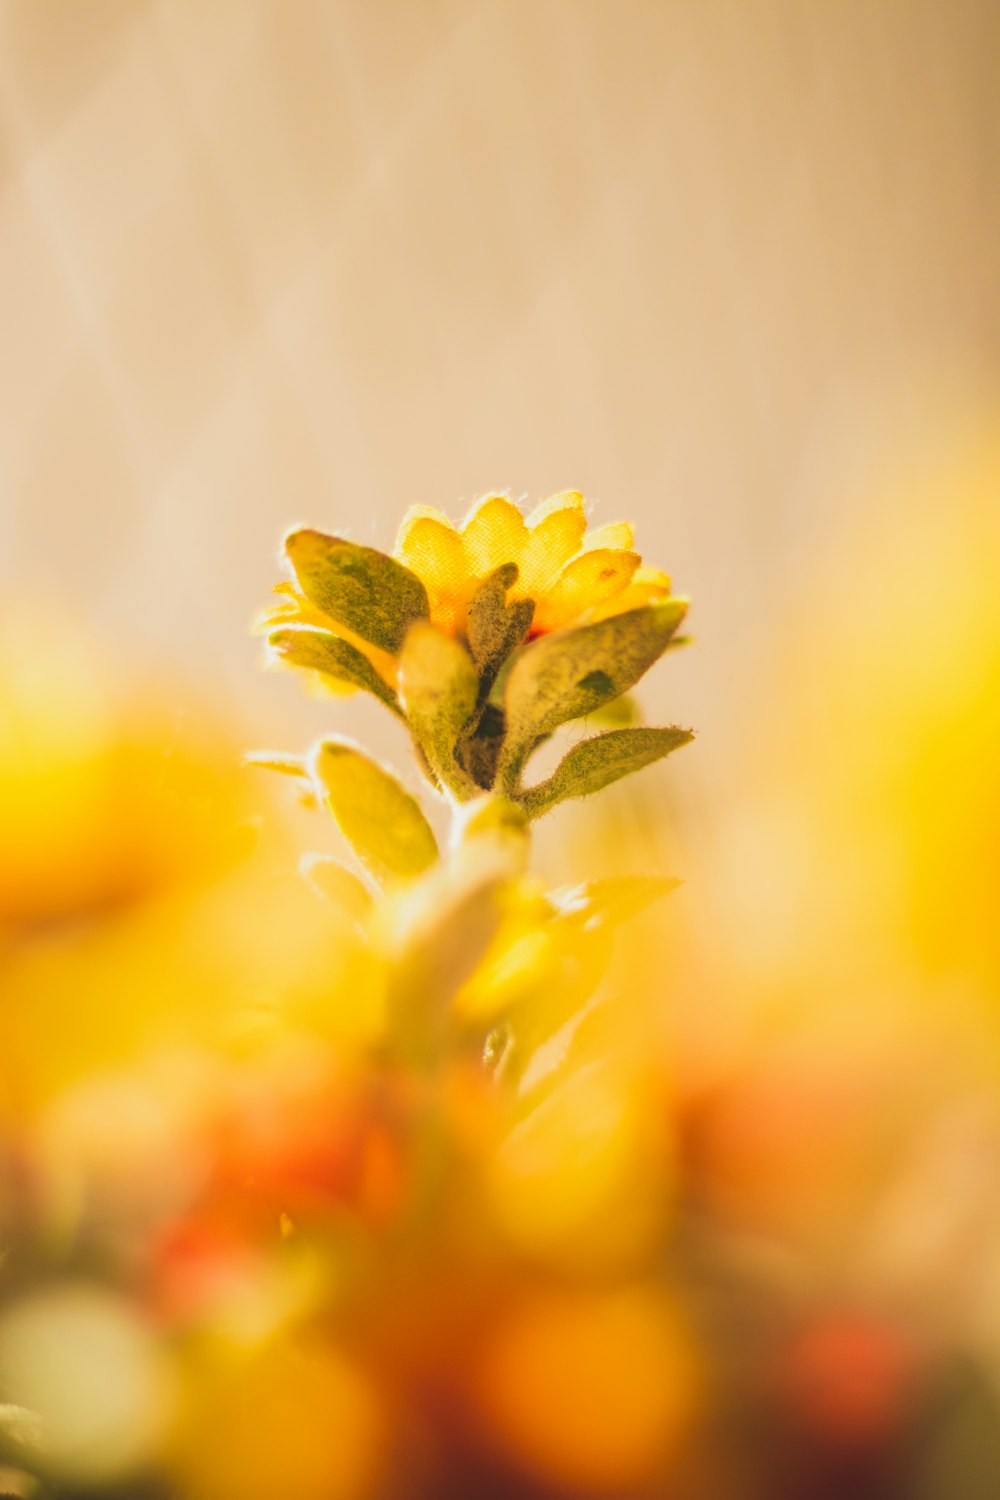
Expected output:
(722, 267)
(730, 269)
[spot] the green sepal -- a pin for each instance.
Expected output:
(378, 817)
(494, 627)
(573, 672)
(317, 650)
(367, 591)
(439, 689)
(479, 751)
(596, 763)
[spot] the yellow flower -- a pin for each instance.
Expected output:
(572, 574)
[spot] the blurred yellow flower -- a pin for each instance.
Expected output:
(107, 798)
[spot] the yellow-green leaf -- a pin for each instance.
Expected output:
(596, 763)
(338, 887)
(439, 689)
(572, 672)
(358, 587)
(315, 650)
(381, 821)
(294, 766)
(614, 899)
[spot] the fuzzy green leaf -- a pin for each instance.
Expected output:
(495, 628)
(381, 821)
(439, 689)
(572, 672)
(316, 650)
(358, 587)
(480, 750)
(596, 763)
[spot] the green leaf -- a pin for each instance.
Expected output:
(439, 689)
(495, 627)
(572, 672)
(316, 650)
(358, 587)
(381, 821)
(596, 763)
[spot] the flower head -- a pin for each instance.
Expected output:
(565, 575)
(572, 574)
(485, 637)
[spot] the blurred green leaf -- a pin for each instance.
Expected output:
(381, 821)
(620, 713)
(21, 1435)
(439, 690)
(572, 672)
(278, 760)
(358, 587)
(338, 886)
(597, 762)
(493, 816)
(294, 766)
(316, 650)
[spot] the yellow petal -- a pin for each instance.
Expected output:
(648, 586)
(429, 546)
(564, 500)
(288, 608)
(553, 538)
(493, 533)
(617, 534)
(586, 582)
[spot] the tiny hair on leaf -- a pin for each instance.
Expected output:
(313, 649)
(383, 823)
(573, 672)
(361, 588)
(596, 763)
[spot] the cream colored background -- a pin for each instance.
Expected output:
(719, 263)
